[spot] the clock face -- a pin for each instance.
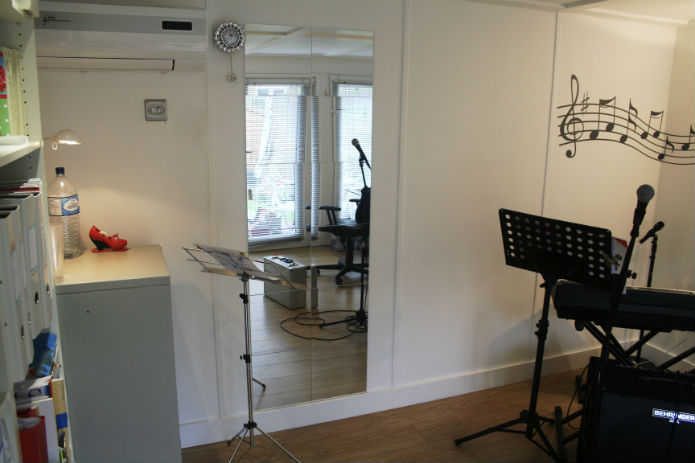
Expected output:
(230, 37)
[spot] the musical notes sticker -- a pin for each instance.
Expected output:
(605, 120)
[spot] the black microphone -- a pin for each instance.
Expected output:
(363, 157)
(657, 226)
(644, 194)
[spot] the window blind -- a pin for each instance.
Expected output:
(276, 114)
(353, 119)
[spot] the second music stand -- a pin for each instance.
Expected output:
(235, 263)
(557, 250)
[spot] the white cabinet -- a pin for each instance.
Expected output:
(114, 310)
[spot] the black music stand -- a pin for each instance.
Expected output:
(557, 250)
(235, 263)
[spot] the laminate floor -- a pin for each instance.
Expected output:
(297, 360)
(422, 432)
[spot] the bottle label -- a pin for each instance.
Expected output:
(64, 206)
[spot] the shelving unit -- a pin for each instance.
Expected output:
(19, 162)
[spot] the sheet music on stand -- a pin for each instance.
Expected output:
(235, 263)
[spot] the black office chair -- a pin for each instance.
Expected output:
(348, 231)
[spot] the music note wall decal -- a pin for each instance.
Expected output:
(607, 121)
(686, 146)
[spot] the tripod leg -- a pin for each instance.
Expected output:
(241, 439)
(258, 382)
(501, 427)
(287, 452)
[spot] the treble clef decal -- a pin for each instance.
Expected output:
(572, 127)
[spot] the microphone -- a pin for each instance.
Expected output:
(644, 194)
(657, 226)
(356, 144)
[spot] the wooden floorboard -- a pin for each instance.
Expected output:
(297, 360)
(422, 432)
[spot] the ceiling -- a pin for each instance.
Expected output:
(662, 11)
(670, 11)
(296, 40)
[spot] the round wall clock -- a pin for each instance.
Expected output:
(230, 36)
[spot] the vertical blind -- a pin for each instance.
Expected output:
(353, 119)
(275, 145)
(315, 165)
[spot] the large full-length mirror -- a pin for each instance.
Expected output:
(308, 167)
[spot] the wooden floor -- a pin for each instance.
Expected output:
(423, 432)
(295, 359)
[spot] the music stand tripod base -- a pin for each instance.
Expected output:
(556, 249)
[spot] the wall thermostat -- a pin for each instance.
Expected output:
(155, 110)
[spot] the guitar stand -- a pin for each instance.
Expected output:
(555, 249)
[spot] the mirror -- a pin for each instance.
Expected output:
(308, 95)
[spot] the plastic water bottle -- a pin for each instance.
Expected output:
(64, 213)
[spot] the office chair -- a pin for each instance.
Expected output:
(348, 231)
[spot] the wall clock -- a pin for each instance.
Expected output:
(230, 36)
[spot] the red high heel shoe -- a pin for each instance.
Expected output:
(105, 243)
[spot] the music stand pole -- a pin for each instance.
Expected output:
(530, 417)
(250, 425)
(555, 249)
(235, 263)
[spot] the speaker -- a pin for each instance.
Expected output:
(638, 415)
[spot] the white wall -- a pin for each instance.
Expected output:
(674, 266)
(149, 182)
(464, 124)
(598, 185)
(474, 136)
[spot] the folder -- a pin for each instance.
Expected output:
(33, 243)
(14, 328)
(47, 412)
(32, 438)
(34, 187)
(9, 437)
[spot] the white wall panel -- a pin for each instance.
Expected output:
(675, 206)
(476, 113)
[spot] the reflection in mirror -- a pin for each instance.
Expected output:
(308, 95)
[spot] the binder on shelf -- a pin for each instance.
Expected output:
(16, 335)
(34, 187)
(32, 388)
(47, 413)
(9, 438)
(61, 409)
(32, 438)
(33, 244)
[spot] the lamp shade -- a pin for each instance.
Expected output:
(64, 137)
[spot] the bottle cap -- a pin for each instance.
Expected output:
(60, 170)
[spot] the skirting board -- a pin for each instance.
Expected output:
(659, 356)
(221, 429)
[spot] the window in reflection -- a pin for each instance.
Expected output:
(275, 144)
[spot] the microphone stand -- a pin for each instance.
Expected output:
(652, 258)
(619, 281)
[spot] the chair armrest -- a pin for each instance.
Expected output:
(329, 208)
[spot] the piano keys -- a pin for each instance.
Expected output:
(639, 308)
